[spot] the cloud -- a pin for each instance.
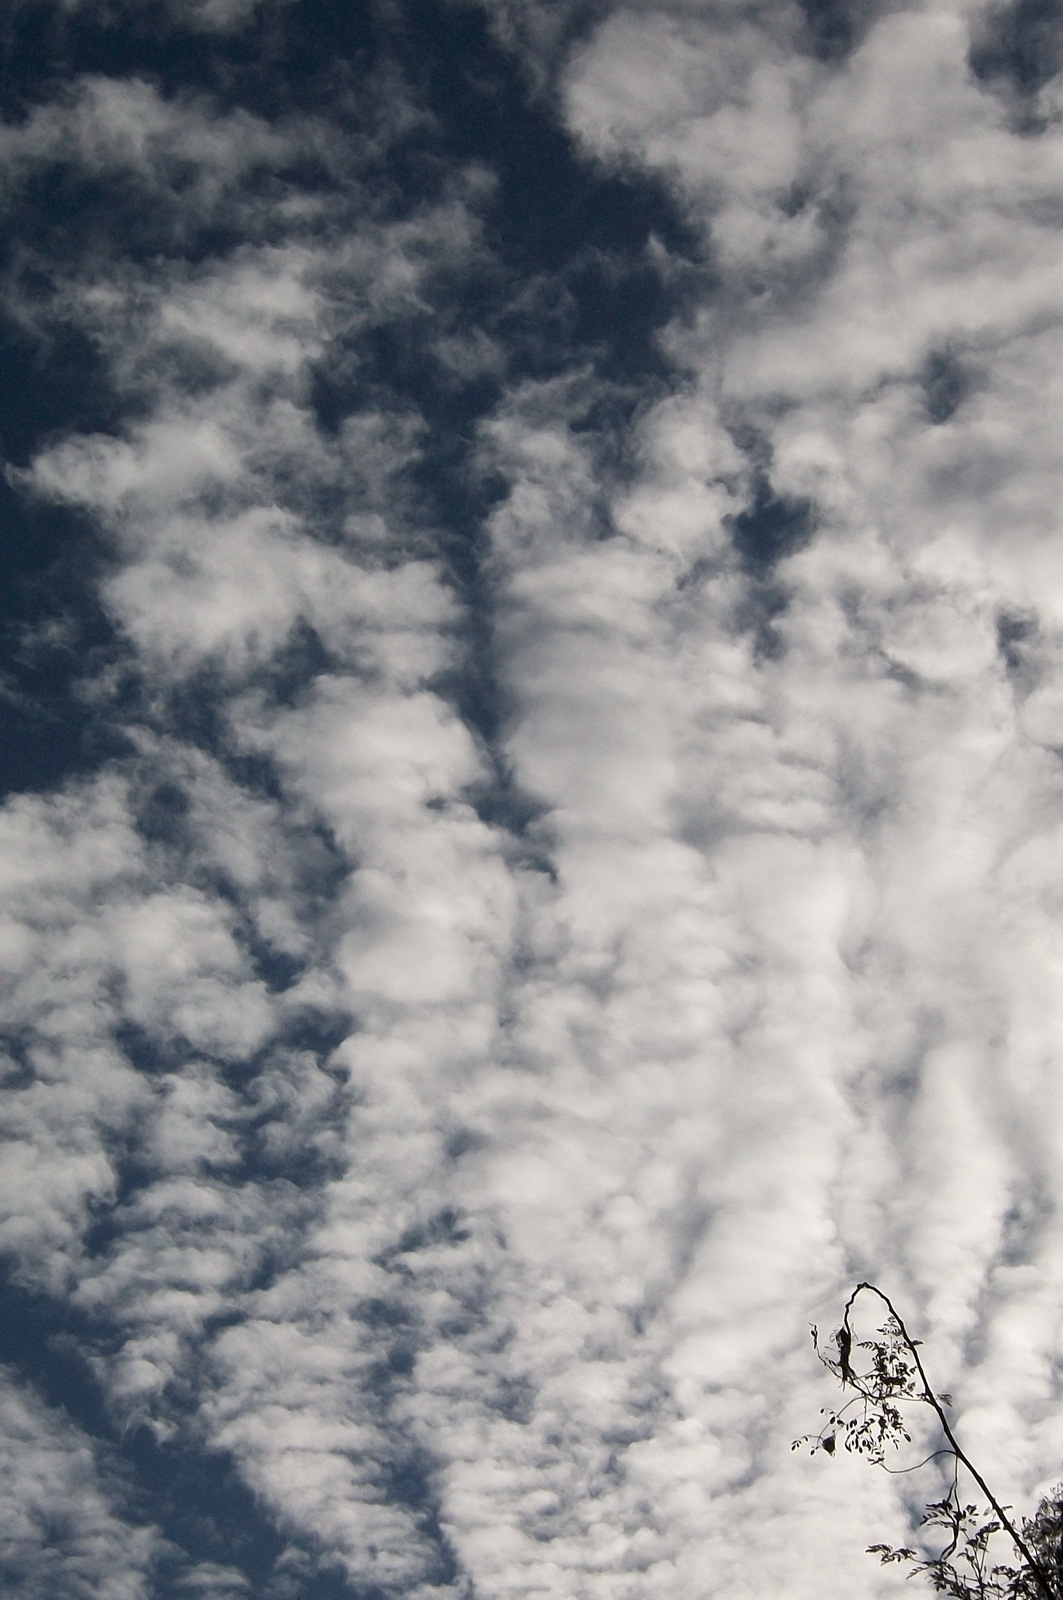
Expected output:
(207, 16)
(70, 1089)
(62, 1531)
(453, 1120)
(213, 935)
(876, 661)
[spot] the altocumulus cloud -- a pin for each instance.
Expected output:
(531, 850)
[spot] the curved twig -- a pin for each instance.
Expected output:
(896, 1472)
(931, 1399)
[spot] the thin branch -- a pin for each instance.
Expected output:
(931, 1399)
(897, 1472)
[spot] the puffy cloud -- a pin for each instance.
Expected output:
(226, 923)
(883, 737)
(207, 16)
(467, 1170)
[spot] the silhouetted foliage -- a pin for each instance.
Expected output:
(881, 1377)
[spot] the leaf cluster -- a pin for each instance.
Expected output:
(962, 1568)
(881, 1377)
(871, 1420)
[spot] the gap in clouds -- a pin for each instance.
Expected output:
(52, 626)
(1017, 49)
(52, 633)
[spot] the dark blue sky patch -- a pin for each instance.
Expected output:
(836, 27)
(316, 1583)
(162, 815)
(43, 46)
(278, 969)
(42, 1341)
(289, 672)
(192, 712)
(1016, 646)
(310, 1028)
(53, 631)
(446, 1227)
(409, 1483)
(771, 528)
(198, 1501)
(46, 733)
(514, 1399)
(193, 1496)
(18, 1071)
(71, 220)
(765, 601)
(502, 803)
(946, 384)
(273, 1146)
(553, 223)
(148, 1052)
(301, 1162)
(165, 813)
(53, 381)
(1019, 47)
(53, 635)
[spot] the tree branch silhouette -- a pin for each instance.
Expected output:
(872, 1420)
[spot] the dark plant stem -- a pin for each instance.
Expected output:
(1044, 1583)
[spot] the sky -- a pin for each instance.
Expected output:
(531, 850)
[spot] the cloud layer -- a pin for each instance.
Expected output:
(561, 874)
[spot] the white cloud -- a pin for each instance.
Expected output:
(214, 1581)
(62, 1532)
(207, 16)
(186, 157)
(210, 504)
(779, 1004)
(855, 800)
